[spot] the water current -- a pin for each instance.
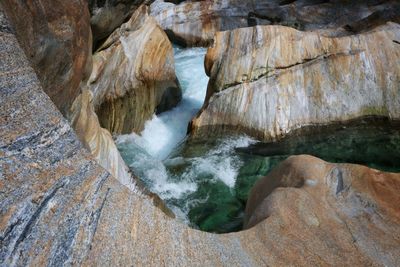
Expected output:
(206, 182)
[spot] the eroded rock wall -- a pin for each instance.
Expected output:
(194, 23)
(284, 79)
(59, 207)
(134, 75)
(98, 140)
(56, 37)
(107, 15)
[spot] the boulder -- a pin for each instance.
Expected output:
(134, 75)
(56, 37)
(349, 206)
(59, 207)
(108, 15)
(284, 79)
(194, 23)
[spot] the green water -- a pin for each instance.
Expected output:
(217, 207)
(206, 182)
(376, 146)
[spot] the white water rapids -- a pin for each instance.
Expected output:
(147, 154)
(166, 130)
(206, 182)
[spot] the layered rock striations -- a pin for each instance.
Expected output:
(283, 79)
(134, 75)
(58, 207)
(98, 140)
(56, 37)
(194, 23)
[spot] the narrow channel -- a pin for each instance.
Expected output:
(198, 185)
(206, 182)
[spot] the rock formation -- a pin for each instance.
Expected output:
(58, 207)
(134, 75)
(98, 140)
(285, 79)
(194, 23)
(56, 37)
(305, 196)
(108, 15)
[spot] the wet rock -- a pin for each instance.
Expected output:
(59, 207)
(285, 79)
(56, 37)
(194, 23)
(348, 206)
(134, 75)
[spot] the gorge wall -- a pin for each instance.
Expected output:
(134, 75)
(194, 23)
(106, 16)
(284, 79)
(61, 205)
(57, 40)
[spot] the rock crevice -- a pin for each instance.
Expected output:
(59, 207)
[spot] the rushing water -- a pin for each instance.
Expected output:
(206, 182)
(199, 184)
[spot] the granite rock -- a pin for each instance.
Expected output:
(56, 37)
(106, 16)
(284, 79)
(59, 207)
(194, 23)
(98, 140)
(134, 75)
(348, 206)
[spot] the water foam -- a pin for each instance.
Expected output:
(221, 163)
(147, 154)
(143, 153)
(165, 131)
(151, 170)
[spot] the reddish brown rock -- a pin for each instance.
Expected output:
(56, 37)
(338, 209)
(98, 140)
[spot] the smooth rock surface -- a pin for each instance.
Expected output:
(194, 23)
(106, 16)
(98, 140)
(58, 207)
(56, 37)
(319, 198)
(285, 79)
(134, 75)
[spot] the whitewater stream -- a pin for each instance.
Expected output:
(206, 182)
(188, 184)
